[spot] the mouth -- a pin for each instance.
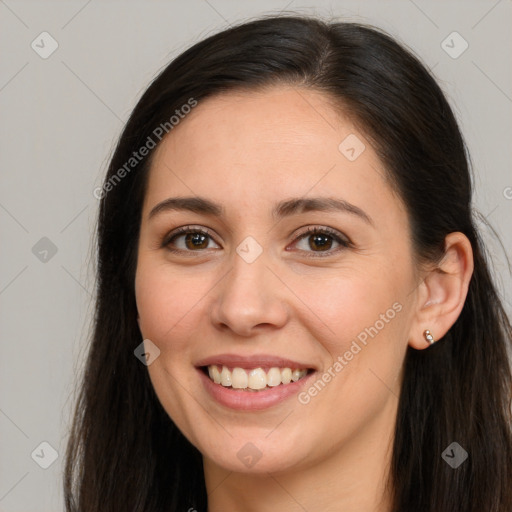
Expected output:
(253, 382)
(256, 379)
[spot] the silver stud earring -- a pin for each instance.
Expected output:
(428, 336)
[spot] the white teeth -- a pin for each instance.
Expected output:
(257, 379)
(239, 378)
(225, 377)
(286, 376)
(214, 373)
(273, 377)
(295, 375)
(254, 379)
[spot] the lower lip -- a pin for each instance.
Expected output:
(252, 400)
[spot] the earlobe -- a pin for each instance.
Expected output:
(443, 293)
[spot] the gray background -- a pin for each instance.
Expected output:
(60, 119)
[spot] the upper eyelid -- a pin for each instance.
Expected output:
(183, 230)
(324, 230)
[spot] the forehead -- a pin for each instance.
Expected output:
(272, 120)
(255, 147)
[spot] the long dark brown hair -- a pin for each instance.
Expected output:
(125, 453)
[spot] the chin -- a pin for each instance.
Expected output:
(255, 455)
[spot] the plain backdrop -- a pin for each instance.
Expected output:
(60, 118)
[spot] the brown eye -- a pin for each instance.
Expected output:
(196, 241)
(321, 240)
(187, 240)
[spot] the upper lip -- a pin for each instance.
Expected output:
(254, 361)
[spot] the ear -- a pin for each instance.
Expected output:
(443, 291)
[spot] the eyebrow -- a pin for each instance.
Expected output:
(282, 209)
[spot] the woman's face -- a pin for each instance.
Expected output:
(249, 287)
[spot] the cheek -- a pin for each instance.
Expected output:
(165, 303)
(360, 322)
(360, 319)
(345, 303)
(164, 299)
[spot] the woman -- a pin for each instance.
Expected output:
(294, 307)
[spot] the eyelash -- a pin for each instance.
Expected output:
(344, 243)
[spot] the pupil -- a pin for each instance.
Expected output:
(320, 241)
(195, 237)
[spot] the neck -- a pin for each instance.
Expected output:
(353, 477)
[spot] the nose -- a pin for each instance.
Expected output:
(250, 299)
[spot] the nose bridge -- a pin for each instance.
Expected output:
(250, 294)
(249, 266)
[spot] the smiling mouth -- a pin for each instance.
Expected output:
(255, 379)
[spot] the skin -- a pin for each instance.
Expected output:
(247, 151)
